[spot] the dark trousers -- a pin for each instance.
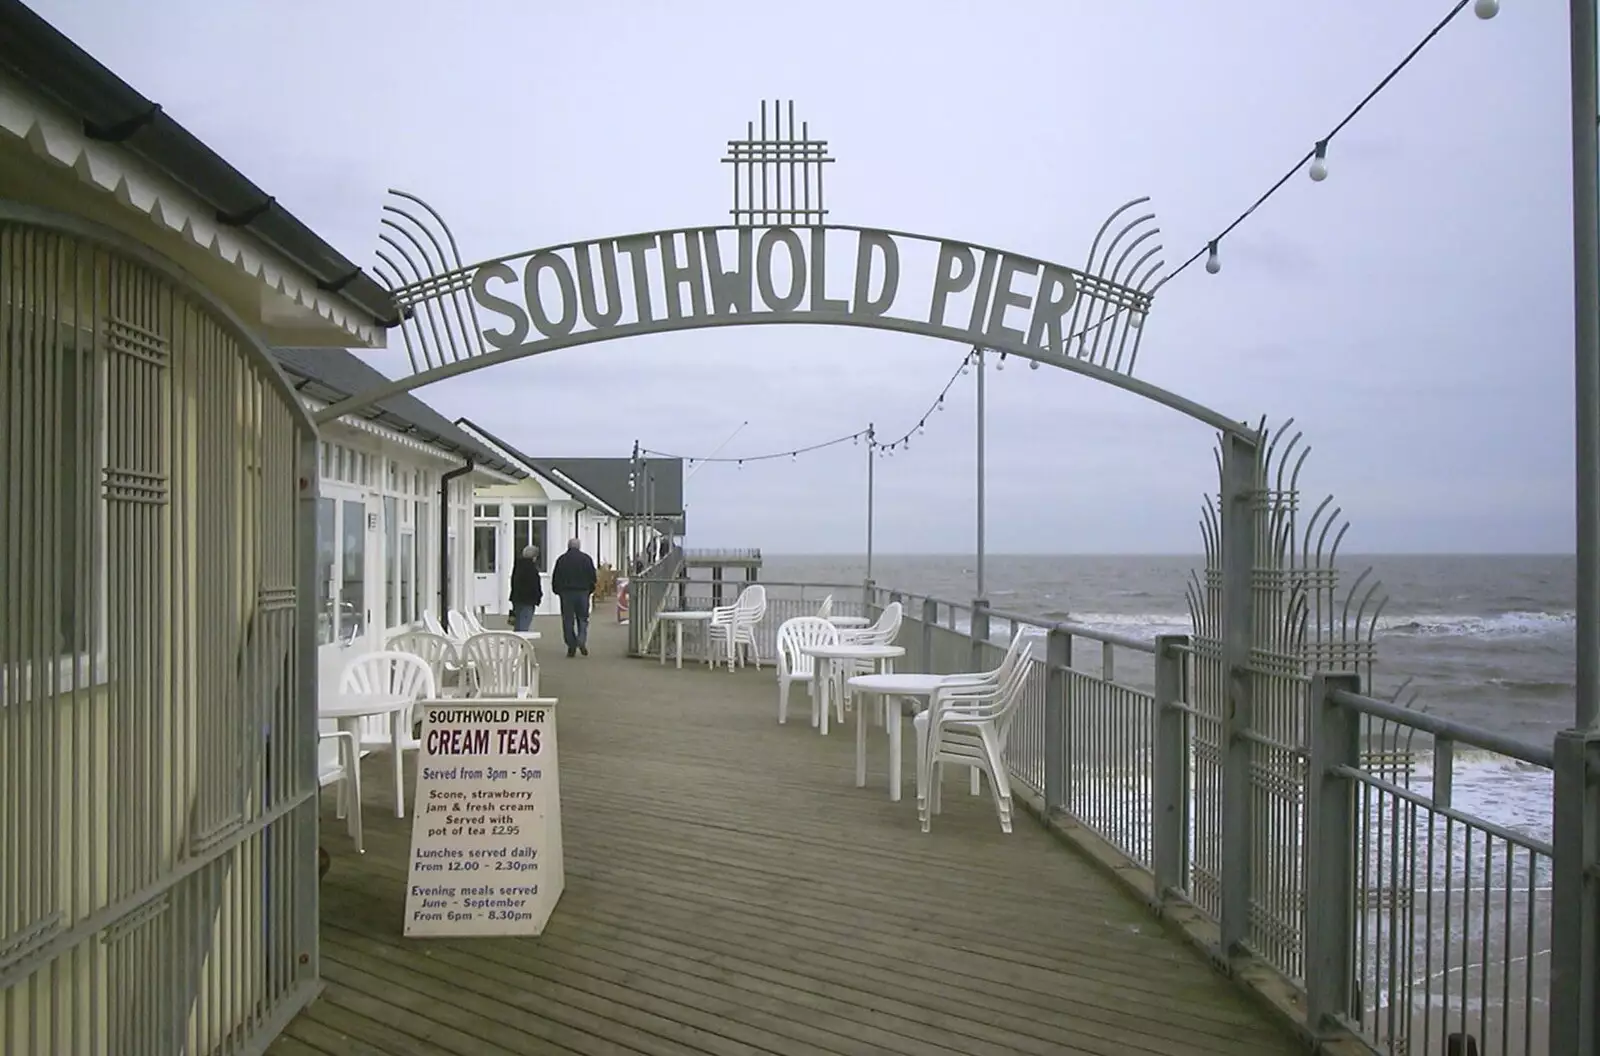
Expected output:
(575, 618)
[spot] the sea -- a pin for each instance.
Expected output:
(1487, 640)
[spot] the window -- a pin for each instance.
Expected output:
(423, 533)
(49, 471)
(530, 526)
(327, 550)
(484, 540)
(391, 556)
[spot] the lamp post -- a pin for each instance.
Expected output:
(871, 454)
(979, 352)
(1575, 828)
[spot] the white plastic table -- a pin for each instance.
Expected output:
(891, 687)
(678, 620)
(885, 656)
(348, 709)
(532, 636)
(849, 621)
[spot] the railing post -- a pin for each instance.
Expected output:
(980, 632)
(1331, 842)
(1057, 699)
(1169, 806)
(1239, 529)
(1575, 896)
(869, 594)
(930, 616)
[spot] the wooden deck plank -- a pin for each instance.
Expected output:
(730, 891)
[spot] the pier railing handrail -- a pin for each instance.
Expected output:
(1441, 728)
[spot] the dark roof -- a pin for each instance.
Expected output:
(331, 374)
(608, 478)
(535, 466)
(42, 58)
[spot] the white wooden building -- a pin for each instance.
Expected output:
(158, 848)
(394, 505)
(545, 508)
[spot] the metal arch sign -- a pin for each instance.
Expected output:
(780, 261)
(714, 276)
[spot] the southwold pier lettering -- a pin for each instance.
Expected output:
(684, 279)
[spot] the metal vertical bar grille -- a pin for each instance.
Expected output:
(777, 169)
(153, 784)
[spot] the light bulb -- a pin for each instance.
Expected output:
(1486, 8)
(741, 463)
(1136, 319)
(1033, 364)
(922, 427)
(941, 403)
(794, 456)
(1319, 163)
(1213, 265)
(963, 366)
(1000, 364)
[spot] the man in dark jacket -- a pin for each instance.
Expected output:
(573, 580)
(526, 590)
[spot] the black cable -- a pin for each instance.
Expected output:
(1323, 143)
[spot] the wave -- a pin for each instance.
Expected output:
(1501, 625)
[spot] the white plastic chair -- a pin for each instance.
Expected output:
(438, 650)
(735, 625)
(343, 768)
(397, 674)
(501, 664)
(826, 608)
(796, 666)
(967, 725)
(883, 632)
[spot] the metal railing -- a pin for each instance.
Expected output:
(1378, 906)
(648, 594)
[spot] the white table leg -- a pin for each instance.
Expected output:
(662, 631)
(822, 673)
(677, 642)
(891, 717)
(861, 744)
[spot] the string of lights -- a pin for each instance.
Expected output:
(1315, 160)
(868, 434)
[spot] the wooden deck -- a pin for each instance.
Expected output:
(730, 891)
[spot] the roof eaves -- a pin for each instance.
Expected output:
(50, 64)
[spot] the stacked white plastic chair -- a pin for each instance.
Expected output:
(735, 625)
(461, 626)
(826, 608)
(966, 725)
(431, 623)
(795, 666)
(438, 650)
(501, 664)
(390, 673)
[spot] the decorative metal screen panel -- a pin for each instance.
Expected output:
(154, 804)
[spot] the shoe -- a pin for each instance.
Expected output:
(584, 649)
(572, 652)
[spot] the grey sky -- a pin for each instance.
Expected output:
(1412, 313)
